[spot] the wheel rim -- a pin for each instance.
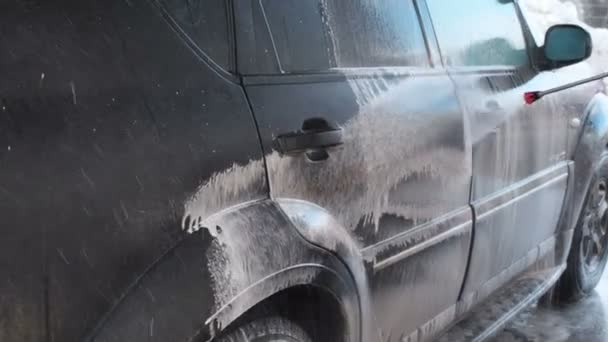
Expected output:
(595, 226)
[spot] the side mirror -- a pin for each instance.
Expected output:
(566, 45)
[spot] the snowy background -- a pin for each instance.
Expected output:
(590, 14)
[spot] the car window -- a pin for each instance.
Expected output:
(206, 23)
(298, 34)
(313, 35)
(479, 32)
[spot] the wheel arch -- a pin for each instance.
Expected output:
(587, 156)
(208, 282)
(336, 317)
(592, 141)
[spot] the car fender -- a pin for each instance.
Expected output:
(237, 258)
(320, 228)
(592, 141)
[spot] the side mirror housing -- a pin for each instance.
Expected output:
(565, 45)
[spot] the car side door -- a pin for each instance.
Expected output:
(520, 167)
(358, 119)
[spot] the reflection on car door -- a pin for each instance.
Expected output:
(519, 168)
(399, 183)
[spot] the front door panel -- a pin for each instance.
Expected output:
(519, 171)
(519, 151)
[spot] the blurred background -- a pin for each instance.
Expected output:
(594, 12)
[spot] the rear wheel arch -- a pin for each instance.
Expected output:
(589, 151)
(184, 294)
(169, 304)
(326, 304)
(300, 305)
(577, 281)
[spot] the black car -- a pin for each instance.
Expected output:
(292, 170)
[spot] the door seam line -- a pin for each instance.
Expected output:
(471, 245)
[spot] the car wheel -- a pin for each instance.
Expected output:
(273, 329)
(589, 251)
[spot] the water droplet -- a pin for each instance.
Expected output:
(73, 88)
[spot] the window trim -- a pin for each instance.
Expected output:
(271, 37)
(429, 35)
(531, 47)
(342, 74)
(228, 75)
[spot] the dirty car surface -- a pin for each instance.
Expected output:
(177, 170)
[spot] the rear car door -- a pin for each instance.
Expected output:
(110, 120)
(357, 116)
(520, 170)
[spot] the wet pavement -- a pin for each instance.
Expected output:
(586, 321)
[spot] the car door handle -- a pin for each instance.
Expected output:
(303, 141)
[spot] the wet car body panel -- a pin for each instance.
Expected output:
(171, 301)
(520, 172)
(394, 196)
(444, 243)
(117, 145)
(108, 123)
(493, 253)
(520, 153)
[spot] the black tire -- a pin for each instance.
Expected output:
(270, 329)
(588, 254)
